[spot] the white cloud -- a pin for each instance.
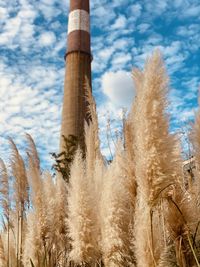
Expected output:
(18, 27)
(3, 13)
(136, 10)
(191, 11)
(120, 23)
(35, 108)
(188, 30)
(47, 39)
(27, 13)
(143, 27)
(49, 11)
(10, 30)
(118, 87)
(102, 15)
(192, 84)
(155, 39)
(178, 3)
(105, 54)
(155, 7)
(120, 60)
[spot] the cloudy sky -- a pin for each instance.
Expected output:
(33, 43)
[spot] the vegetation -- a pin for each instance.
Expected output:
(64, 159)
(136, 211)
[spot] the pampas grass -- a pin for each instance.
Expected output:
(4, 190)
(82, 215)
(116, 216)
(135, 211)
(155, 158)
(5, 205)
(3, 261)
(38, 221)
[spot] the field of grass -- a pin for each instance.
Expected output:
(139, 210)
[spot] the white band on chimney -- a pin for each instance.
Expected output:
(79, 20)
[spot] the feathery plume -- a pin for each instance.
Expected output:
(3, 261)
(36, 243)
(33, 250)
(182, 223)
(81, 214)
(59, 213)
(155, 155)
(4, 189)
(128, 162)
(91, 130)
(168, 257)
(20, 177)
(21, 196)
(156, 158)
(99, 177)
(116, 216)
(5, 204)
(32, 151)
(195, 136)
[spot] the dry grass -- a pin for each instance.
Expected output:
(135, 211)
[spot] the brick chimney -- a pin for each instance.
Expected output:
(78, 67)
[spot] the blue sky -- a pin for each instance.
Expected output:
(124, 32)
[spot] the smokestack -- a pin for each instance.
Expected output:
(78, 67)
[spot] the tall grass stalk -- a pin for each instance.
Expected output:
(5, 204)
(155, 158)
(116, 216)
